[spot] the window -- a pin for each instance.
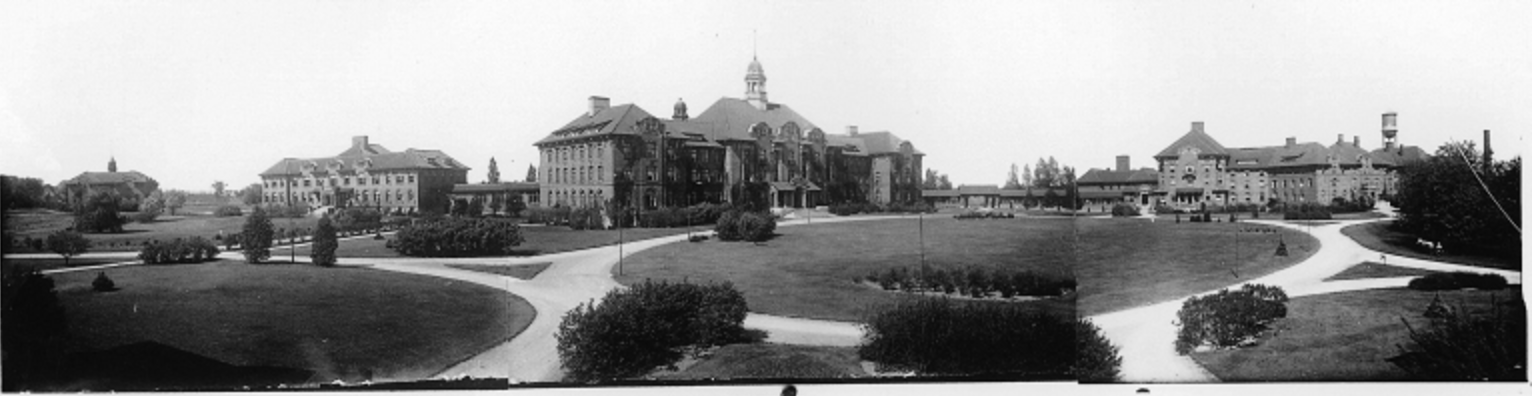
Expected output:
(305, 182)
(412, 178)
(347, 181)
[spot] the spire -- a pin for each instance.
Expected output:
(111, 166)
(755, 84)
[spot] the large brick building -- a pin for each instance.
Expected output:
(1196, 171)
(366, 175)
(736, 149)
(131, 187)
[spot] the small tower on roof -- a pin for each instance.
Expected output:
(111, 166)
(680, 113)
(755, 84)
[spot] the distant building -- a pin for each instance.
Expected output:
(1197, 171)
(510, 195)
(733, 149)
(367, 175)
(1104, 187)
(131, 186)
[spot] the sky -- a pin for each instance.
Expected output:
(192, 92)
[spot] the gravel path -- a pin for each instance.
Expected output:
(1146, 335)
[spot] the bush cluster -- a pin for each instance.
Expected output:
(974, 214)
(228, 211)
(357, 219)
(847, 209)
(288, 211)
(631, 332)
(1360, 204)
(1096, 359)
(1228, 318)
(1204, 217)
(745, 226)
(456, 237)
(1306, 211)
(1124, 210)
(1458, 280)
(939, 336)
(99, 214)
(103, 283)
(972, 281)
(1458, 346)
(195, 250)
(1162, 208)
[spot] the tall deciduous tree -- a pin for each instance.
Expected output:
(1012, 182)
(218, 188)
(252, 194)
(531, 173)
(174, 200)
(256, 236)
(1026, 175)
(1440, 199)
(99, 214)
(494, 171)
(325, 243)
(945, 183)
(67, 244)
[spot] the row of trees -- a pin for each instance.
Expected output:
(1056, 181)
(1442, 199)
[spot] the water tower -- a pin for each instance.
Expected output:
(1390, 129)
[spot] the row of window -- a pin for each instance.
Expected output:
(576, 198)
(343, 181)
(575, 152)
(363, 196)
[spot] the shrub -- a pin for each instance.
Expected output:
(942, 337)
(1228, 318)
(1096, 359)
(99, 214)
(67, 243)
(354, 219)
(1458, 346)
(756, 227)
(1163, 208)
(457, 237)
(102, 283)
(584, 219)
(647, 326)
(1458, 280)
(322, 252)
(727, 227)
(195, 250)
(1306, 211)
(289, 211)
(228, 211)
(1124, 210)
(147, 213)
(256, 235)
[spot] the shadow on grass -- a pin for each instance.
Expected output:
(149, 365)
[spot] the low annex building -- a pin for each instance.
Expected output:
(736, 148)
(131, 186)
(366, 175)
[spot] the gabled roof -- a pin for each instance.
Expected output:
(730, 118)
(1103, 176)
(854, 146)
(1196, 138)
(356, 151)
(109, 178)
(409, 159)
(621, 119)
(982, 189)
(881, 142)
(1399, 155)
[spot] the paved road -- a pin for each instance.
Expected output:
(1146, 335)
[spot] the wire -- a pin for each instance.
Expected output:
(1487, 192)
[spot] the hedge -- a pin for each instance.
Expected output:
(633, 331)
(847, 209)
(1124, 210)
(228, 211)
(1458, 280)
(179, 250)
(939, 336)
(456, 237)
(972, 281)
(1228, 318)
(974, 214)
(1306, 211)
(745, 226)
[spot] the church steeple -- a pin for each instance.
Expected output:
(755, 84)
(111, 166)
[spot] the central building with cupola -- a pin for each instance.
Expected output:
(748, 151)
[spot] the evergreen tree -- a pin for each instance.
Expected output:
(531, 173)
(325, 242)
(1011, 180)
(256, 236)
(494, 171)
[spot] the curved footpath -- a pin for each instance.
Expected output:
(1146, 335)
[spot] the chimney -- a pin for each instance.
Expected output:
(1122, 163)
(1197, 126)
(851, 130)
(1291, 141)
(359, 142)
(1340, 138)
(1487, 151)
(598, 103)
(1356, 140)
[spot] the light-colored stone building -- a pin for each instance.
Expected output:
(366, 175)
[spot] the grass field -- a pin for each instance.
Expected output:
(1342, 336)
(808, 271)
(539, 241)
(766, 360)
(523, 272)
(1373, 269)
(1125, 263)
(7, 265)
(39, 223)
(1380, 237)
(341, 323)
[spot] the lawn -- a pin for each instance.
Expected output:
(808, 271)
(540, 240)
(768, 361)
(522, 271)
(1343, 336)
(38, 223)
(1126, 263)
(7, 265)
(1373, 269)
(341, 323)
(1381, 237)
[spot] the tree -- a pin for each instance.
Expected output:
(1026, 175)
(494, 171)
(175, 199)
(930, 181)
(33, 333)
(531, 173)
(252, 194)
(99, 214)
(67, 244)
(18, 193)
(255, 237)
(1071, 191)
(1440, 199)
(218, 188)
(1011, 181)
(150, 208)
(945, 184)
(325, 242)
(496, 202)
